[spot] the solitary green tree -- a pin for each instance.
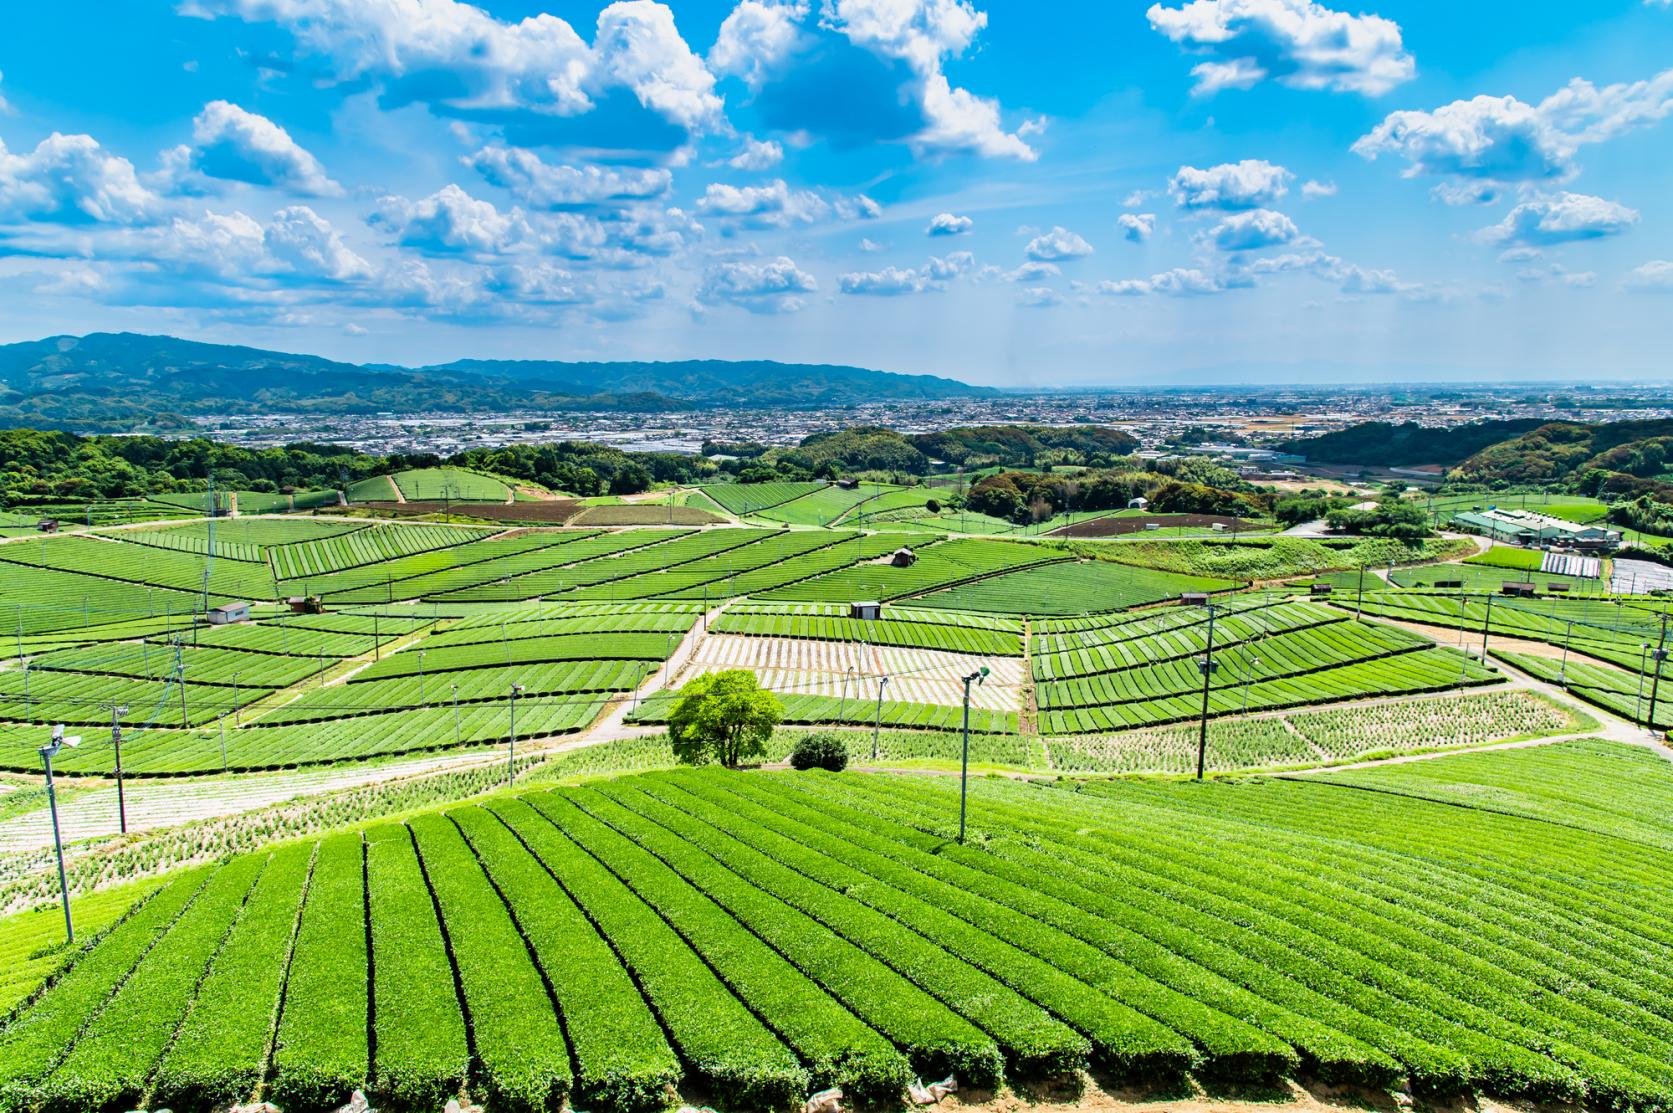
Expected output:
(724, 717)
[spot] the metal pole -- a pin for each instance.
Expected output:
(455, 714)
(877, 726)
(1658, 657)
(1359, 600)
(1207, 674)
(964, 767)
(1562, 670)
(237, 703)
(511, 755)
(116, 741)
(47, 753)
(1486, 627)
(1638, 700)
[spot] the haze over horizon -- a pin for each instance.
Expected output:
(1186, 193)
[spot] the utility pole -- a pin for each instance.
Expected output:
(1658, 657)
(964, 763)
(1209, 667)
(116, 714)
(511, 755)
(1486, 626)
(877, 725)
(1562, 671)
(48, 752)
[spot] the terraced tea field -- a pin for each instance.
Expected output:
(754, 937)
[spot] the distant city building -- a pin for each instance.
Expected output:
(1535, 531)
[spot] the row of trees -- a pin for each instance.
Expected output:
(1193, 485)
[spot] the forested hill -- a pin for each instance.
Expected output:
(119, 381)
(1575, 453)
(1385, 444)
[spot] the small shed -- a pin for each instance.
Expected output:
(47, 525)
(1194, 599)
(867, 611)
(228, 613)
(1218, 527)
(848, 483)
(1140, 503)
(1319, 589)
(1556, 589)
(904, 558)
(305, 604)
(1153, 525)
(1522, 590)
(1447, 583)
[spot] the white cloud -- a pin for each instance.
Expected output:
(4, 105)
(1249, 184)
(232, 144)
(947, 224)
(1297, 43)
(1560, 218)
(70, 179)
(1178, 282)
(757, 155)
(1311, 189)
(1556, 274)
(451, 221)
(894, 281)
(1252, 230)
(1056, 245)
(297, 245)
(1137, 227)
(921, 34)
(1350, 278)
(1503, 139)
(307, 244)
(1040, 297)
(1136, 198)
(776, 205)
(756, 38)
(457, 58)
(541, 185)
(1656, 275)
(772, 286)
(869, 246)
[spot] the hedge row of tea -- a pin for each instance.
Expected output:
(759, 936)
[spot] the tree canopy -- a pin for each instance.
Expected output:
(725, 717)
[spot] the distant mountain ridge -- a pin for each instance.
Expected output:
(120, 380)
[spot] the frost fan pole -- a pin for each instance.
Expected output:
(1208, 666)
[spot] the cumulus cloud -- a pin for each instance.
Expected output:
(1252, 230)
(1297, 43)
(756, 38)
(776, 205)
(70, 179)
(1178, 282)
(757, 155)
(886, 56)
(232, 144)
(1560, 218)
(1057, 245)
(460, 61)
(1545, 274)
(1656, 275)
(770, 286)
(895, 281)
(542, 185)
(1249, 184)
(451, 221)
(1040, 297)
(1505, 140)
(1311, 189)
(297, 245)
(1136, 227)
(947, 224)
(1350, 278)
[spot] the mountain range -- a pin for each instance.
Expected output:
(120, 381)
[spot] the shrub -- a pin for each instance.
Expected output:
(821, 750)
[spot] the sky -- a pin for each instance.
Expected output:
(1010, 192)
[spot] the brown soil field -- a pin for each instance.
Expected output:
(555, 512)
(1119, 527)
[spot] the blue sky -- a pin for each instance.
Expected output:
(1009, 192)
